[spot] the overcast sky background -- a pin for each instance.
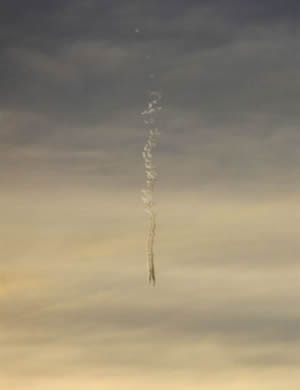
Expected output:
(76, 310)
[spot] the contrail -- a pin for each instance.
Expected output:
(150, 118)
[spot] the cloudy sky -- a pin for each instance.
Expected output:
(76, 309)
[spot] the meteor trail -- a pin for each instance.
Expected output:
(150, 117)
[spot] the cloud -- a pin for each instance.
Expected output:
(74, 302)
(91, 306)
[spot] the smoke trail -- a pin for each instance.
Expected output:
(150, 118)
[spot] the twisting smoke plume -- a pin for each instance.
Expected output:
(150, 120)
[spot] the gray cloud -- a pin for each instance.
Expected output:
(205, 55)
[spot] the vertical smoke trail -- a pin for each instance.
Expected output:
(150, 117)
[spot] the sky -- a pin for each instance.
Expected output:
(76, 309)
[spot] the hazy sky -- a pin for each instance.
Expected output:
(76, 310)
